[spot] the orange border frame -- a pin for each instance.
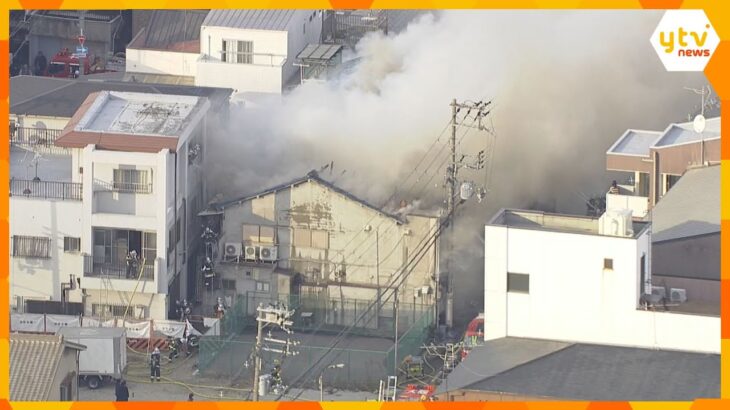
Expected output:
(718, 12)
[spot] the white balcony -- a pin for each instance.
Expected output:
(627, 198)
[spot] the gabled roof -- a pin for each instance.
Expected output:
(34, 360)
(690, 208)
(171, 30)
(312, 176)
(600, 373)
(250, 19)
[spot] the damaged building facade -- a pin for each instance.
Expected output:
(311, 243)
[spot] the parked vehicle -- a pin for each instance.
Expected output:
(105, 357)
(65, 65)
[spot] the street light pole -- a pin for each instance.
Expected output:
(321, 376)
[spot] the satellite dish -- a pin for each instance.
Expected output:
(699, 123)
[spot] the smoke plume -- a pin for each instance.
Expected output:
(564, 85)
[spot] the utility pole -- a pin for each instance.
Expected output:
(277, 315)
(395, 347)
(466, 189)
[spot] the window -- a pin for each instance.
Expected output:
(262, 286)
(255, 234)
(248, 273)
(118, 310)
(237, 51)
(608, 263)
(229, 284)
(131, 180)
(149, 247)
(307, 238)
(31, 246)
(518, 282)
(71, 244)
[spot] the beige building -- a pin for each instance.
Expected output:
(43, 368)
(308, 239)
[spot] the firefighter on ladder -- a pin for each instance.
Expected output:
(155, 365)
(208, 274)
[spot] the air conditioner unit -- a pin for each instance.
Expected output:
(250, 253)
(678, 295)
(232, 250)
(268, 253)
(660, 291)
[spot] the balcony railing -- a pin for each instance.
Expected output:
(33, 136)
(127, 187)
(96, 267)
(46, 189)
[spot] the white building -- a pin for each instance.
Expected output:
(253, 51)
(581, 279)
(133, 182)
(308, 238)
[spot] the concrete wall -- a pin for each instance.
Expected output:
(696, 257)
(639, 205)
(67, 366)
(302, 31)
(161, 62)
(42, 278)
(41, 121)
(155, 304)
(572, 298)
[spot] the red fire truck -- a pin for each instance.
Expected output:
(474, 335)
(66, 65)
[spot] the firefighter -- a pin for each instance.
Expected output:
(220, 308)
(39, 64)
(131, 264)
(155, 365)
(208, 274)
(276, 374)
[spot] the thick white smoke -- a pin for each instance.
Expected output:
(565, 85)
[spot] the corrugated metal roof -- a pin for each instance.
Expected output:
(33, 363)
(608, 373)
(173, 30)
(252, 19)
(323, 52)
(690, 208)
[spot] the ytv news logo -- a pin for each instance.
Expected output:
(685, 40)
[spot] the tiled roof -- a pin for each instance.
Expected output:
(33, 363)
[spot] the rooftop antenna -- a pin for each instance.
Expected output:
(699, 120)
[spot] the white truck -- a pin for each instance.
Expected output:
(105, 356)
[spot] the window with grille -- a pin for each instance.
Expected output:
(608, 264)
(262, 286)
(71, 244)
(117, 310)
(229, 284)
(132, 180)
(31, 246)
(237, 52)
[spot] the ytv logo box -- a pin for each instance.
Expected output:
(685, 40)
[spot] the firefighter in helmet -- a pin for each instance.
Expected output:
(155, 365)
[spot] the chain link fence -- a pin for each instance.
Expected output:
(367, 352)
